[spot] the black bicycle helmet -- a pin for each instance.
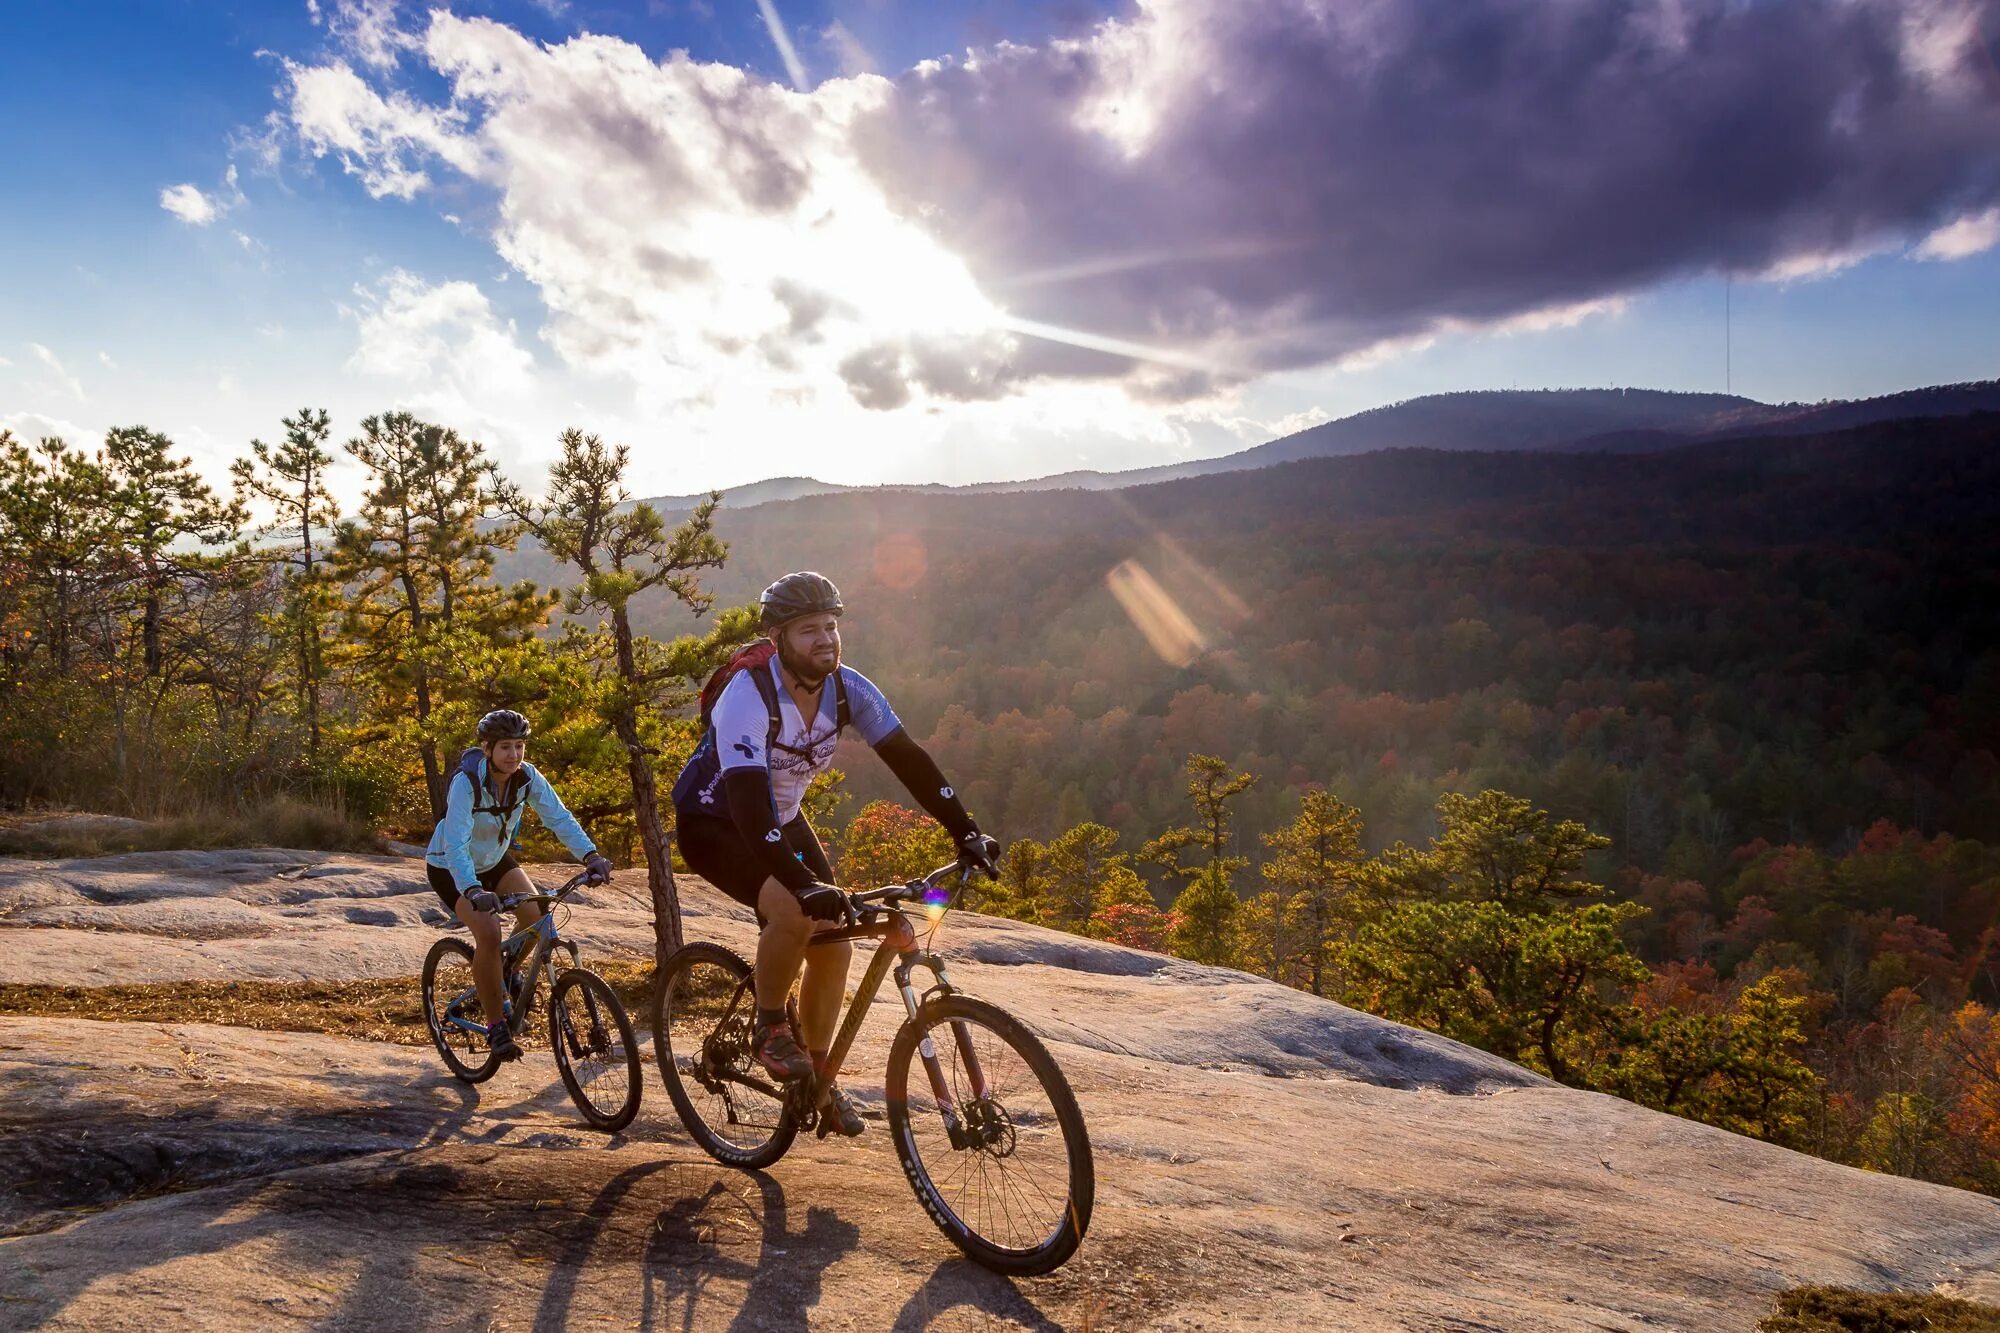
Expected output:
(503, 724)
(802, 594)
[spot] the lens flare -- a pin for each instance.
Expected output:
(1168, 630)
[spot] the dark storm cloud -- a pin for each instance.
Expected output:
(1319, 176)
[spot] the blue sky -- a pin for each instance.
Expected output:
(1079, 235)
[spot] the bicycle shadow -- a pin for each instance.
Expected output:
(960, 1282)
(231, 1178)
(712, 1245)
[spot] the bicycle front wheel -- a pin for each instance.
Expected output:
(596, 1051)
(1001, 1160)
(703, 1010)
(453, 1014)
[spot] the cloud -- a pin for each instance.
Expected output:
(1178, 201)
(191, 206)
(1306, 181)
(847, 49)
(378, 138)
(55, 367)
(1963, 237)
(366, 29)
(27, 426)
(446, 335)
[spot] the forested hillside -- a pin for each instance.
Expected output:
(1786, 639)
(1668, 774)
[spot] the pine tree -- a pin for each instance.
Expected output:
(54, 503)
(1315, 874)
(160, 519)
(1205, 928)
(159, 504)
(429, 635)
(1200, 852)
(291, 479)
(1079, 869)
(1019, 891)
(621, 551)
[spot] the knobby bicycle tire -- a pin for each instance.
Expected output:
(442, 1036)
(1069, 1217)
(581, 1000)
(695, 985)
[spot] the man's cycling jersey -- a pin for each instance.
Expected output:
(740, 737)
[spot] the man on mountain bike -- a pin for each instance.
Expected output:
(773, 728)
(470, 861)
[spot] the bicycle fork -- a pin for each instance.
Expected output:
(954, 1120)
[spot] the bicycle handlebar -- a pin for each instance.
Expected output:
(570, 886)
(916, 888)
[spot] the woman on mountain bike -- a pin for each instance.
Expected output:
(772, 727)
(470, 860)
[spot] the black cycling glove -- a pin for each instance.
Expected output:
(976, 851)
(483, 900)
(824, 902)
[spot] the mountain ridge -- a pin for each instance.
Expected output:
(1630, 420)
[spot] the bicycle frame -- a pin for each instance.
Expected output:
(538, 940)
(898, 951)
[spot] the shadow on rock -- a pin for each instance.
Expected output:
(723, 1241)
(957, 1282)
(104, 1152)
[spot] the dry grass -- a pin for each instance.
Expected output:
(385, 1009)
(280, 822)
(1842, 1310)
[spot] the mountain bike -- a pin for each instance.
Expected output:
(589, 1031)
(989, 1133)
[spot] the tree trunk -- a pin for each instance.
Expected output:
(645, 800)
(433, 777)
(427, 748)
(303, 593)
(150, 631)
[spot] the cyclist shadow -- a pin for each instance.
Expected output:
(958, 1281)
(232, 1178)
(714, 1245)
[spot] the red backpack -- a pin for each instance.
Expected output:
(755, 657)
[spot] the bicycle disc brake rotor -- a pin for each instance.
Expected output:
(989, 1128)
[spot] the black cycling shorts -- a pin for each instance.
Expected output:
(447, 887)
(717, 851)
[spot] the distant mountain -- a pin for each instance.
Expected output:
(756, 493)
(1944, 400)
(1621, 421)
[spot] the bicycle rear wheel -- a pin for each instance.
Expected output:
(451, 1002)
(596, 1051)
(1011, 1182)
(703, 1009)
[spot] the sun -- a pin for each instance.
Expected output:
(900, 282)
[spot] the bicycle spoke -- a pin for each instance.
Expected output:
(601, 1070)
(1008, 1183)
(704, 1014)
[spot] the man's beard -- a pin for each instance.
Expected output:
(804, 669)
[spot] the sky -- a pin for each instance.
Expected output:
(965, 240)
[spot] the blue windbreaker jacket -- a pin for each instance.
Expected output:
(467, 842)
